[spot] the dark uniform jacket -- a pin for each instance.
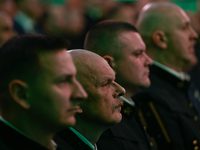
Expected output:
(169, 113)
(10, 139)
(129, 134)
(68, 140)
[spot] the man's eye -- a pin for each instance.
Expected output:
(185, 27)
(104, 85)
(65, 80)
(137, 53)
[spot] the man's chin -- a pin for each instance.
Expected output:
(191, 64)
(146, 84)
(71, 121)
(118, 118)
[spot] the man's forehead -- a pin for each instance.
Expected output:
(178, 17)
(130, 36)
(101, 71)
(134, 39)
(106, 72)
(59, 59)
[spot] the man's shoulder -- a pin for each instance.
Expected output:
(11, 139)
(67, 139)
(4, 146)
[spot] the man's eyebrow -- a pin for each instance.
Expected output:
(104, 79)
(139, 50)
(108, 78)
(64, 76)
(186, 23)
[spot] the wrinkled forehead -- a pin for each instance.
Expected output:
(97, 72)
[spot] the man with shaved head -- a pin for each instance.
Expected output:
(169, 105)
(102, 107)
(124, 50)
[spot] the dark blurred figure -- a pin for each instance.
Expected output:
(94, 12)
(9, 6)
(6, 27)
(27, 18)
(195, 21)
(66, 19)
(125, 11)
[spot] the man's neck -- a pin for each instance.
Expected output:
(90, 131)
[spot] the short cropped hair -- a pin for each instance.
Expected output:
(103, 38)
(19, 56)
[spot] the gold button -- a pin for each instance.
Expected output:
(196, 93)
(196, 148)
(195, 142)
(195, 118)
(190, 104)
(151, 144)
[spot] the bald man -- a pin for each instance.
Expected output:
(6, 27)
(102, 107)
(170, 108)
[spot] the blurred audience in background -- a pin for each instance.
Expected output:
(27, 18)
(73, 18)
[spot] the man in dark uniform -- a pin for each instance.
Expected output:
(122, 46)
(101, 109)
(39, 93)
(170, 106)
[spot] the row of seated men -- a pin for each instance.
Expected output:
(51, 98)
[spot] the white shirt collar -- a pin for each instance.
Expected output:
(181, 75)
(129, 101)
(83, 138)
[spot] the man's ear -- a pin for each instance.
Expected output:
(19, 92)
(110, 60)
(159, 38)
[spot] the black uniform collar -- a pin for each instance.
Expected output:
(168, 77)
